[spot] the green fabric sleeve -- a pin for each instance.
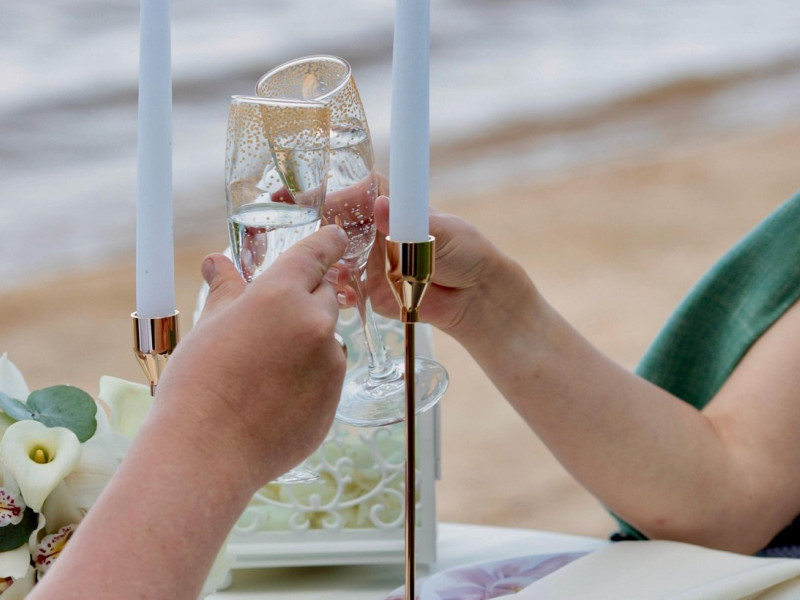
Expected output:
(733, 304)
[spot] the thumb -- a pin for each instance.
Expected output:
(224, 283)
(308, 260)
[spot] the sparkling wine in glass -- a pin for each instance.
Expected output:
(276, 168)
(373, 395)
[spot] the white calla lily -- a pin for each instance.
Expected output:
(102, 418)
(129, 403)
(38, 458)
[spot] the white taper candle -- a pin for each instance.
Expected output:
(155, 268)
(409, 153)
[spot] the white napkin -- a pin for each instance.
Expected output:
(659, 570)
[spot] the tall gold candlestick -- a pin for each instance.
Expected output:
(154, 340)
(409, 268)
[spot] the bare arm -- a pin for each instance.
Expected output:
(234, 386)
(723, 477)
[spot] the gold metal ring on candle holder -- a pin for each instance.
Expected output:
(154, 340)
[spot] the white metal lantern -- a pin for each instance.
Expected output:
(354, 513)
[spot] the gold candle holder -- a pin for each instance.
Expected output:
(154, 340)
(409, 269)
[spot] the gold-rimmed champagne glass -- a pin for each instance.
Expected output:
(373, 395)
(276, 166)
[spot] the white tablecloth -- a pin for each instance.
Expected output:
(457, 545)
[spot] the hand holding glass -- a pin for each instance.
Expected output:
(276, 166)
(374, 395)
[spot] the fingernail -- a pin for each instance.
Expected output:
(341, 298)
(208, 269)
(332, 275)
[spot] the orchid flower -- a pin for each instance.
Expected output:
(38, 458)
(11, 507)
(17, 577)
(48, 550)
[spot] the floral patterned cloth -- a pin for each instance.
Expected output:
(483, 581)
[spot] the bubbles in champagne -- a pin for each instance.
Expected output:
(260, 232)
(352, 188)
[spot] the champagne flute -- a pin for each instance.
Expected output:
(373, 395)
(276, 166)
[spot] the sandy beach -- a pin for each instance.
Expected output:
(613, 246)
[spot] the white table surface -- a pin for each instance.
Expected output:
(457, 545)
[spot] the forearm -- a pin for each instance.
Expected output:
(158, 526)
(220, 427)
(652, 459)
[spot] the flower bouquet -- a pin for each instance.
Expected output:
(58, 450)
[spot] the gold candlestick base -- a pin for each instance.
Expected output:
(154, 340)
(409, 269)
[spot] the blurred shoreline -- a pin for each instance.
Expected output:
(613, 245)
(627, 127)
(516, 86)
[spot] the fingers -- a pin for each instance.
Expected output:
(340, 277)
(343, 279)
(282, 195)
(224, 282)
(381, 212)
(309, 260)
(383, 184)
(363, 191)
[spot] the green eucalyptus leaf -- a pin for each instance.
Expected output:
(13, 536)
(14, 408)
(64, 406)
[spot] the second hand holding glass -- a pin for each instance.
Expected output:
(373, 395)
(276, 166)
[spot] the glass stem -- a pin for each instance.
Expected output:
(380, 365)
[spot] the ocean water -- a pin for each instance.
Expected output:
(516, 86)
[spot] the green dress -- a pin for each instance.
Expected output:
(735, 302)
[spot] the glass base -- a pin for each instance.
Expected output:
(297, 475)
(367, 402)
